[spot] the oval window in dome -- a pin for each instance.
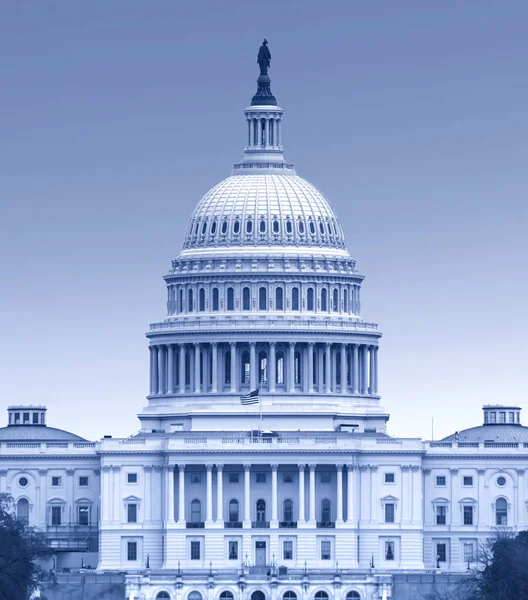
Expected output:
(301, 226)
(262, 226)
(204, 227)
(321, 227)
(196, 227)
(276, 227)
(236, 226)
(224, 227)
(289, 227)
(213, 227)
(312, 227)
(249, 226)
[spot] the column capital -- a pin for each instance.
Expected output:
(301, 467)
(363, 468)
(72, 471)
(373, 468)
(209, 467)
(107, 469)
(405, 468)
(273, 344)
(415, 468)
(252, 344)
(147, 468)
(181, 345)
(312, 467)
(169, 467)
(158, 468)
(427, 471)
(481, 471)
(181, 468)
(350, 467)
(247, 467)
(96, 472)
(3, 472)
(328, 344)
(196, 344)
(454, 471)
(44, 471)
(292, 344)
(339, 467)
(311, 344)
(274, 467)
(232, 344)
(520, 471)
(214, 344)
(219, 467)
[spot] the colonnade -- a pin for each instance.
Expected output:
(274, 367)
(264, 131)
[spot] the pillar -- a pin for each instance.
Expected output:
(417, 494)
(328, 372)
(272, 368)
(364, 369)
(375, 372)
(162, 369)
(252, 366)
(182, 368)
(209, 498)
(310, 367)
(181, 493)
(171, 369)
(302, 511)
(292, 367)
(214, 367)
(274, 516)
(169, 487)
(371, 369)
(219, 493)
(339, 516)
(116, 514)
(312, 493)
(344, 386)
(247, 495)
(351, 517)
(153, 370)
(233, 367)
(42, 498)
(197, 387)
(355, 369)
(406, 500)
(251, 131)
(147, 470)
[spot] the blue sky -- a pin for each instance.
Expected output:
(117, 116)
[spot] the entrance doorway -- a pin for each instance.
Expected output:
(260, 561)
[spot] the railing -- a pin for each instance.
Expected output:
(260, 524)
(468, 444)
(500, 445)
(288, 524)
(325, 524)
(441, 444)
(22, 445)
(56, 444)
(389, 441)
(233, 524)
(194, 525)
(140, 441)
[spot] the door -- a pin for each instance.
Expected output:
(260, 554)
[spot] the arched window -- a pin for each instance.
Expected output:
(262, 226)
(204, 227)
(22, 510)
(345, 300)
(335, 300)
(213, 227)
(194, 596)
(321, 227)
(338, 368)
(230, 299)
(215, 299)
(224, 227)
(324, 299)
(289, 595)
(263, 367)
(280, 367)
(246, 299)
(263, 301)
(190, 298)
(227, 370)
(289, 226)
(295, 298)
(236, 226)
(276, 226)
(300, 225)
(312, 227)
(196, 511)
(353, 596)
(279, 299)
(180, 308)
(201, 296)
(233, 511)
(226, 595)
(163, 595)
(321, 595)
(187, 368)
(501, 511)
(261, 511)
(249, 226)
(246, 367)
(326, 512)
(310, 299)
(196, 227)
(297, 368)
(287, 511)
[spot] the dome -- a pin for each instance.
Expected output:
(267, 209)
(491, 433)
(37, 433)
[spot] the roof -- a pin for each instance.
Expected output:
(492, 433)
(37, 433)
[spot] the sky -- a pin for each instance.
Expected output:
(116, 116)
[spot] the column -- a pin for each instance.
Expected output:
(219, 494)
(417, 494)
(375, 372)
(182, 368)
(302, 511)
(267, 124)
(233, 367)
(310, 367)
(365, 493)
(247, 495)
(170, 383)
(292, 367)
(169, 487)
(351, 517)
(214, 367)
(274, 517)
(406, 497)
(116, 515)
(373, 493)
(328, 372)
(320, 369)
(181, 494)
(106, 494)
(312, 493)
(42, 498)
(162, 369)
(272, 368)
(153, 370)
(355, 369)
(250, 126)
(364, 369)
(252, 366)
(371, 369)
(344, 385)
(481, 497)
(197, 387)
(209, 494)
(339, 516)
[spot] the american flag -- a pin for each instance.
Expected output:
(252, 397)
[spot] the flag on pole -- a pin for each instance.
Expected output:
(252, 397)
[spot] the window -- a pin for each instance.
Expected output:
(501, 512)
(511, 417)
(226, 595)
(17, 417)
(245, 365)
(324, 299)
(280, 368)
(389, 512)
(195, 550)
(295, 298)
(233, 477)
(469, 552)
(276, 227)
(131, 512)
(201, 299)
(389, 477)
(468, 515)
(249, 226)
(353, 596)
(230, 299)
(440, 481)
(287, 550)
(56, 481)
(262, 226)
(287, 511)
(215, 299)
(132, 478)
(83, 481)
(261, 511)
(335, 301)
(501, 481)
(56, 515)
(213, 228)
(246, 299)
(263, 367)
(236, 226)
(321, 596)
(326, 477)
(321, 227)
(23, 482)
(132, 551)
(263, 304)
(297, 368)
(312, 227)
(165, 595)
(441, 512)
(204, 227)
(289, 595)
(196, 511)
(233, 550)
(196, 478)
(310, 299)
(227, 367)
(493, 417)
(326, 550)
(300, 226)
(25, 417)
(289, 226)
(23, 510)
(224, 227)
(389, 550)
(260, 477)
(287, 477)
(345, 300)
(190, 300)
(36, 420)
(279, 299)
(233, 511)
(467, 480)
(83, 515)
(326, 511)
(502, 417)
(441, 552)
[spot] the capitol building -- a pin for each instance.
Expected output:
(263, 468)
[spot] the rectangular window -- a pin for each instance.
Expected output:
(233, 477)
(326, 551)
(132, 478)
(131, 513)
(83, 481)
(441, 515)
(26, 417)
(56, 515)
(469, 552)
(468, 515)
(502, 417)
(389, 550)
(83, 515)
(196, 478)
(440, 481)
(260, 477)
(493, 417)
(287, 477)
(131, 550)
(389, 477)
(441, 552)
(389, 512)
(36, 421)
(56, 481)
(326, 477)
(17, 417)
(195, 550)
(511, 417)
(287, 550)
(467, 480)
(233, 550)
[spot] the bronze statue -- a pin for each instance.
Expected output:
(264, 58)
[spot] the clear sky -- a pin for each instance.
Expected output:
(116, 116)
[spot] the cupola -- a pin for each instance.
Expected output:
(500, 414)
(26, 415)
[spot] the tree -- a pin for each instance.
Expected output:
(21, 548)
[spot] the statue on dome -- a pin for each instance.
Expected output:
(264, 58)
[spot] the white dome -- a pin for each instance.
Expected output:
(266, 209)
